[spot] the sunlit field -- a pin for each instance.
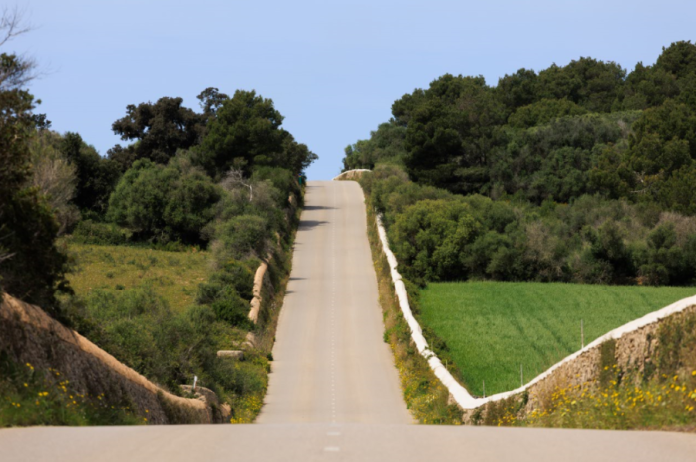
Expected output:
(172, 275)
(491, 328)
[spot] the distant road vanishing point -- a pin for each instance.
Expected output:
(334, 391)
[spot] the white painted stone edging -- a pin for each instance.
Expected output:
(350, 172)
(617, 333)
(460, 394)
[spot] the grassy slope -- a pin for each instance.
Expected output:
(173, 275)
(493, 327)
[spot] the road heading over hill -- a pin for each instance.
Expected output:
(331, 363)
(334, 392)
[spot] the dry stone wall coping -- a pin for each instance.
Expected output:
(351, 174)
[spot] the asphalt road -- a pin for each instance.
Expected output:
(334, 391)
(331, 363)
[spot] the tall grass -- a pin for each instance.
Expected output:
(490, 329)
(107, 268)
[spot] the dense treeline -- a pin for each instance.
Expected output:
(439, 236)
(585, 128)
(580, 173)
(186, 180)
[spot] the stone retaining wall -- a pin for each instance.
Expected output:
(29, 335)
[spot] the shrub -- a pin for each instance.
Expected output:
(282, 180)
(164, 203)
(429, 237)
(240, 237)
(31, 266)
(90, 232)
(55, 177)
(228, 293)
(231, 308)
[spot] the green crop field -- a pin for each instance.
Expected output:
(173, 275)
(491, 328)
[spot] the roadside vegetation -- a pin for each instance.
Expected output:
(424, 394)
(150, 251)
(490, 329)
(31, 397)
(579, 174)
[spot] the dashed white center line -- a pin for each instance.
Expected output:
(333, 318)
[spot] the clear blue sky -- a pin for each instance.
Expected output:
(333, 68)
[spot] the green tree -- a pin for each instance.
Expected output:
(449, 133)
(677, 192)
(159, 129)
(164, 203)
(663, 263)
(429, 239)
(245, 133)
(649, 86)
(211, 100)
(386, 144)
(543, 112)
(593, 84)
(678, 59)
(96, 176)
(519, 89)
(31, 265)
(55, 177)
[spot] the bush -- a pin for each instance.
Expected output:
(32, 267)
(231, 308)
(228, 292)
(429, 237)
(90, 232)
(237, 275)
(282, 180)
(241, 237)
(164, 203)
(140, 330)
(55, 177)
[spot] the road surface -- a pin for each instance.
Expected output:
(331, 363)
(334, 393)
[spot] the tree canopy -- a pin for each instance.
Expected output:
(246, 132)
(583, 172)
(589, 127)
(31, 265)
(160, 129)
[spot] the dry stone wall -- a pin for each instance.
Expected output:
(29, 335)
